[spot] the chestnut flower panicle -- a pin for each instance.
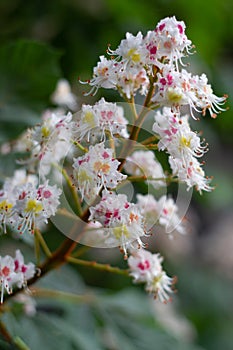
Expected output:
(150, 63)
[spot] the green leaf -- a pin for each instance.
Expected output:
(29, 71)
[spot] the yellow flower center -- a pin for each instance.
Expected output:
(34, 205)
(45, 131)
(184, 142)
(174, 96)
(83, 176)
(135, 57)
(120, 231)
(89, 119)
(4, 205)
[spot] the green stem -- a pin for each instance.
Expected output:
(84, 149)
(20, 344)
(98, 266)
(73, 191)
(136, 128)
(43, 243)
(5, 334)
(148, 146)
(60, 295)
(149, 140)
(133, 108)
(37, 249)
(80, 251)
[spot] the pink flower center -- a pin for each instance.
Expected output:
(145, 265)
(16, 265)
(161, 27)
(5, 271)
(163, 81)
(22, 195)
(189, 172)
(47, 194)
(23, 268)
(181, 30)
(105, 155)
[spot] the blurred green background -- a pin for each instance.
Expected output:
(42, 41)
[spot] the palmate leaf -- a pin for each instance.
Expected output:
(29, 71)
(119, 320)
(77, 316)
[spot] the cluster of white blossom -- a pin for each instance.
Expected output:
(121, 219)
(183, 146)
(95, 170)
(148, 65)
(155, 57)
(24, 204)
(49, 141)
(94, 121)
(146, 267)
(163, 212)
(14, 272)
(144, 163)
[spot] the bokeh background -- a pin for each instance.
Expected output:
(42, 41)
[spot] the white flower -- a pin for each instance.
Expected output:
(96, 169)
(160, 212)
(104, 75)
(161, 287)
(95, 121)
(14, 272)
(8, 196)
(144, 163)
(62, 96)
(149, 208)
(121, 219)
(177, 137)
(35, 205)
(132, 79)
(151, 43)
(192, 174)
(7, 275)
(206, 98)
(174, 89)
(24, 271)
(172, 40)
(146, 267)
(168, 217)
(6, 210)
(19, 178)
(178, 89)
(130, 50)
(51, 141)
